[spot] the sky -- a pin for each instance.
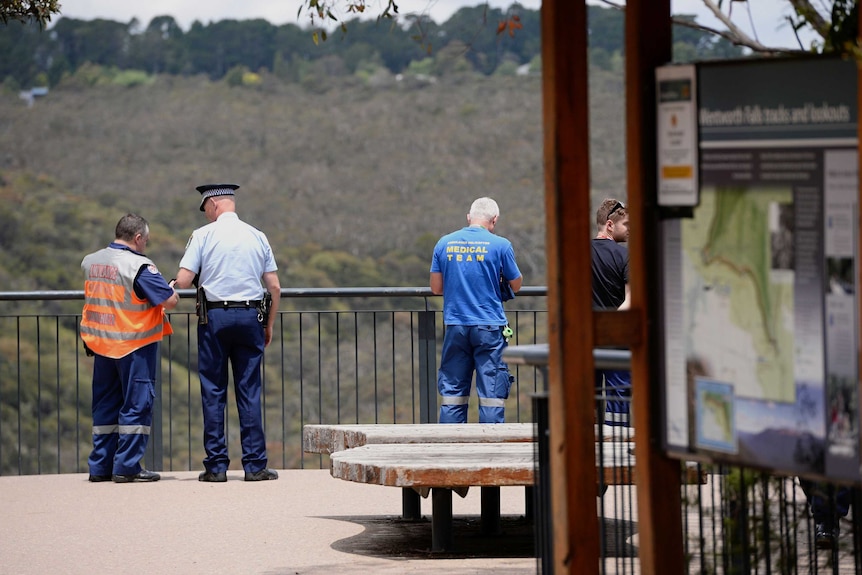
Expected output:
(767, 15)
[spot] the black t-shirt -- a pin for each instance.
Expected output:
(610, 265)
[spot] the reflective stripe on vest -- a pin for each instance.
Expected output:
(115, 321)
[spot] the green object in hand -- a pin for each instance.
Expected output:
(507, 332)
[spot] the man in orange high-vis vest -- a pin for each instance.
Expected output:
(123, 321)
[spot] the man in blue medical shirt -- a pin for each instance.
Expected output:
(235, 267)
(466, 270)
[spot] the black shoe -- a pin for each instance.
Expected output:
(99, 478)
(213, 476)
(265, 474)
(825, 536)
(139, 477)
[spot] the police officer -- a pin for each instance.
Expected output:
(122, 323)
(466, 269)
(234, 266)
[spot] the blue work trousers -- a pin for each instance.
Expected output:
(467, 349)
(123, 393)
(232, 335)
(615, 387)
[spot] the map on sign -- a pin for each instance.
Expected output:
(737, 268)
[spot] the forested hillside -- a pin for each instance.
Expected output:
(353, 181)
(354, 155)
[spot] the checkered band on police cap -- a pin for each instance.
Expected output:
(210, 190)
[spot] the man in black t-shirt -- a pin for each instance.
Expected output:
(611, 260)
(610, 272)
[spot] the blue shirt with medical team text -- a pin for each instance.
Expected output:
(471, 260)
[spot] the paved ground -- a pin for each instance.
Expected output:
(306, 523)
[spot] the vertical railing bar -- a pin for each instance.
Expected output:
(301, 369)
(517, 371)
(338, 367)
(701, 534)
(413, 368)
(170, 401)
(394, 391)
(356, 363)
(57, 344)
(788, 527)
(374, 360)
(746, 560)
(766, 526)
(300, 374)
(38, 396)
(77, 402)
(319, 367)
(18, 364)
(280, 321)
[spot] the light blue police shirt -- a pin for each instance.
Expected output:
(230, 256)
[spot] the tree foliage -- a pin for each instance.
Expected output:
(482, 38)
(39, 11)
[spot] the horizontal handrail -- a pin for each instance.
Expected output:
(285, 293)
(537, 354)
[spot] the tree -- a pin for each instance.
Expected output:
(835, 22)
(28, 10)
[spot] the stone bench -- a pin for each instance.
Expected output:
(323, 438)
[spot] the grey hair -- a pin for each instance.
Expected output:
(484, 209)
(129, 226)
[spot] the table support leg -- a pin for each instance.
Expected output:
(441, 519)
(411, 505)
(491, 524)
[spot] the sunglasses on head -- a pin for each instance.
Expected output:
(618, 206)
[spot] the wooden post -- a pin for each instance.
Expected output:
(567, 207)
(648, 45)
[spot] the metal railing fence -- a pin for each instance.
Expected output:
(346, 355)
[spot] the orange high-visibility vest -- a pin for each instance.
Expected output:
(115, 321)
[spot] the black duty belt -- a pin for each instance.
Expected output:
(227, 304)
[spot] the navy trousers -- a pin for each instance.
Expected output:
(123, 393)
(234, 336)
